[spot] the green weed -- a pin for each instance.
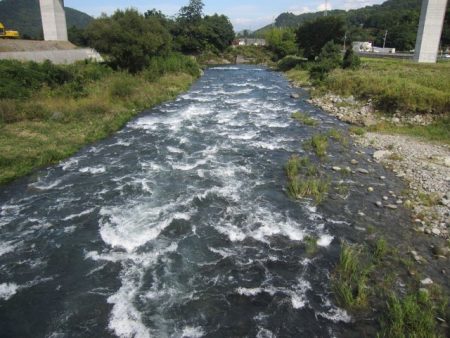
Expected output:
(319, 143)
(357, 130)
(304, 118)
(309, 187)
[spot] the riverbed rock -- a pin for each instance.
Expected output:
(336, 168)
(391, 206)
(379, 204)
(295, 96)
(354, 162)
(426, 281)
(370, 189)
(436, 231)
(380, 154)
(362, 171)
(439, 250)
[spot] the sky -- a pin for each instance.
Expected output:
(244, 14)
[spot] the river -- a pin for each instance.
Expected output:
(179, 225)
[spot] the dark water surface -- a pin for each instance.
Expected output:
(178, 226)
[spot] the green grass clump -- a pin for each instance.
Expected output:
(319, 143)
(357, 130)
(412, 316)
(350, 282)
(309, 187)
(310, 245)
(304, 179)
(380, 249)
(292, 166)
(429, 200)
(304, 118)
(338, 136)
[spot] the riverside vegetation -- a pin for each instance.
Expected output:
(49, 112)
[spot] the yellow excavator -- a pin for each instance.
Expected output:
(7, 34)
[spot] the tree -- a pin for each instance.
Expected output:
(187, 30)
(193, 12)
(281, 41)
(330, 57)
(217, 31)
(129, 39)
(313, 35)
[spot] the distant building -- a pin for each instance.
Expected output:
(249, 42)
(368, 47)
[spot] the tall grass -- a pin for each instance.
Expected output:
(396, 85)
(412, 316)
(304, 179)
(54, 122)
(350, 282)
(319, 143)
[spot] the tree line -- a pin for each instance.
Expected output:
(398, 18)
(131, 39)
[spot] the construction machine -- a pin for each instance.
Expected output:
(8, 34)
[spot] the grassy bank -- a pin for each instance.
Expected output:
(46, 122)
(364, 280)
(394, 86)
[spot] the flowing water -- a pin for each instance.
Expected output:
(178, 226)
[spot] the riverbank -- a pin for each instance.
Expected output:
(412, 141)
(48, 123)
(405, 290)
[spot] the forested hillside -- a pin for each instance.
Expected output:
(399, 17)
(25, 16)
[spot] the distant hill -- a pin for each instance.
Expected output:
(25, 16)
(399, 17)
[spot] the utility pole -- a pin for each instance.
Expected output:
(326, 8)
(345, 38)
(384, 40)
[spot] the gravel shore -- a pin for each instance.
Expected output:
(424, 166)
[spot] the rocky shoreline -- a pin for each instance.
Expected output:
(424, 166)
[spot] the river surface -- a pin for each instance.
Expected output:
(179, 225)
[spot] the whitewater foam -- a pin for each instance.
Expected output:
(7, 290)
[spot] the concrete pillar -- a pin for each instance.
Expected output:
(53, 20)
(430, 29)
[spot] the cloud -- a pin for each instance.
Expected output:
(324, 6)
(251, 23)
(353, 4)
(297, 10)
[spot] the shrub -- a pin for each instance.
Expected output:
(129, 38)
(290, 61)
(351, 60)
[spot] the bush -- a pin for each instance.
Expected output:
(351, 60)
(320, 70)
(289, 62)
(174, 63)
(129, 38)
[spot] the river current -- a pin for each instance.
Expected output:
(176, 226)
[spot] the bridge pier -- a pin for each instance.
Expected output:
(430, 29)
(53, 20)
